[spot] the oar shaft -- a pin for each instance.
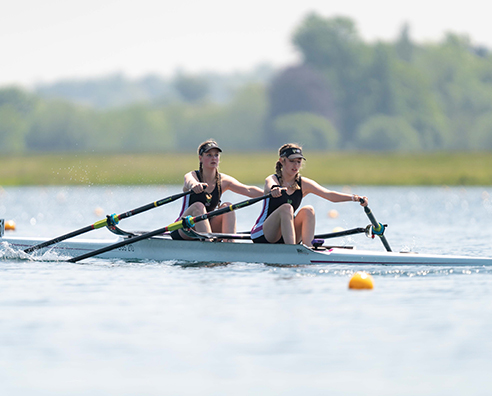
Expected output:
(104, 222)
(171, 227)
(59, 239)
(352, 231)
(377, 227)
(153, 205)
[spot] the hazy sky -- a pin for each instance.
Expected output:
(46, 40)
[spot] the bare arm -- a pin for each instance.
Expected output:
(192, 183)
(310, 186)
(271, 186)
(230, 183)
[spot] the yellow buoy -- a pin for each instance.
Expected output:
(333, 214)
(361, 280)
(338, 229)
(10, 225)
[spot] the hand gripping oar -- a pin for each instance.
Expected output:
(108, 221)
(187, 222)
(377, 228)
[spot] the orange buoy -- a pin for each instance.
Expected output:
(10, 225)
(333, 214)
(98, 211)
(361, 280)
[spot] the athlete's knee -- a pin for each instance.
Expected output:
(198, 208)
(286, 210)
(309, 210)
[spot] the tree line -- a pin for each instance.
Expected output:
(345, 94)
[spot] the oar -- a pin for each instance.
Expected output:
(247, 235)
(377, 228)
(352, 231)
(187, 222)
(109, 220)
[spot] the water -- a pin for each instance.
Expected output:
(152, 328)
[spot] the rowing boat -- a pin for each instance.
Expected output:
(163, 248)
(157, 245)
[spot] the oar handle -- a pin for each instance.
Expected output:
(377, 227)
(189, 221)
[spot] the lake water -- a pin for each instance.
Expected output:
(157, 328)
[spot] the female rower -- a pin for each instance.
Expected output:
(208, 185)
(278, 222)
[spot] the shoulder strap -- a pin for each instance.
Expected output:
(199, 176)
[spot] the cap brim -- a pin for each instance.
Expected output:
(294, 156)
(211, 148)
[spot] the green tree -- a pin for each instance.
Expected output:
(421, 106)
(237, 125)
(299, 89)
(13, 128)
(310, 130)
(59, 126)
(381, 79)
(192, 89)
(404, 46)
(244, 119)
(385, 133)
(23, 102)
(136, 128)
(461, 80)
(334, 47)
(481, 135)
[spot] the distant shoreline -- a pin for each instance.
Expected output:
(452, 169)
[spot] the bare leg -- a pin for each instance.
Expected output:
(280, 224)
(225, 223)
(305, 223)
(196, 209)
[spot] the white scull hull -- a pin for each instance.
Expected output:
(165, 249)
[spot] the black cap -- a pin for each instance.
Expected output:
(207, 147)
(292, 152)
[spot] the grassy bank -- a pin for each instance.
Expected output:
(326, 168)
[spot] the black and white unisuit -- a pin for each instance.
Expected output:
(269, 206)
(210, 200)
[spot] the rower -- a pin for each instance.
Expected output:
(209, 184)
(278, 221)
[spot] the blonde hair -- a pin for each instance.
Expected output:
(278, 166)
